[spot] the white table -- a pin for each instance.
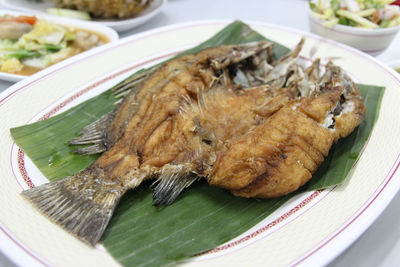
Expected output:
(380, 244)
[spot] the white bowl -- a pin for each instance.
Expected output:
(371, 41)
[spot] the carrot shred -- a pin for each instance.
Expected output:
(21, 19)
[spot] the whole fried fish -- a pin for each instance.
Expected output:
(230, 114)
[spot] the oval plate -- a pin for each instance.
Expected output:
(311, 228)
(119, 25)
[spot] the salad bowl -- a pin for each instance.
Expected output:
(368, 25)
(373, 42)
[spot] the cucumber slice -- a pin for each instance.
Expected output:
(74, 14)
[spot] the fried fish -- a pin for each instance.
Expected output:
(230, 114)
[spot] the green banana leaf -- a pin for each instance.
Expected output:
(203, 217)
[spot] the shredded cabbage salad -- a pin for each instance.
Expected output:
(27, 41)
(43, 45)
(369, 14)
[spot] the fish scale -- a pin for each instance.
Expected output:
(209, 115)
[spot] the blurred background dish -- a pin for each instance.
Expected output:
(103, 9)
(119, 24)
(366, 25)
(395, 64)
(373, 42)
(29, 43)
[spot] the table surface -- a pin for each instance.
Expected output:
(380, 244)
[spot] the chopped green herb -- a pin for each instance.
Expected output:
(313, 7)
(346, 21)
(24, 54)
(335, 4)
(384, 24)
(52, 48)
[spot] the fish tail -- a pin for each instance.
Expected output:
(82, 204)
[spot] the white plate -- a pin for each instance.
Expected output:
(111, 34)
(119, 25)
(312, 228)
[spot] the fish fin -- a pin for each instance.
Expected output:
(82, 207)
(123, 88)
(292, 54)
(313, 71)
(168, 187)
(90, 150)
(242, 52)
(95, 134)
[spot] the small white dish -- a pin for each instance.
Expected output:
(119, 25)
(109, 33)
(373, 42)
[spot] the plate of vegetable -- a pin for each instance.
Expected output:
(29, 43)
(120, 15)
(369, 25)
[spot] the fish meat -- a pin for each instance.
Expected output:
(278, 156)
(232, 115)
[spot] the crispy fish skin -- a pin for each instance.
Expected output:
(160, 100)
(281, 155)
(205, 128)
(83, 203)
(227, 114)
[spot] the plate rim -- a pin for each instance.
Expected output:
(383, 201)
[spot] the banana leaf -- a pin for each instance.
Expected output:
(203, 217)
